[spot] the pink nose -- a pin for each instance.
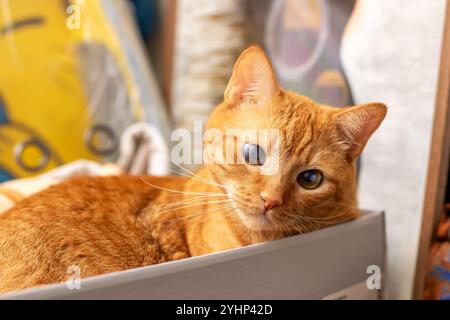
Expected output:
(270, 201)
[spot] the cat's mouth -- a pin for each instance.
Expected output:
(258, 221)
(261, 221)
(254, 216)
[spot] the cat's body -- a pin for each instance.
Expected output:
(108, 224)
(100, 225)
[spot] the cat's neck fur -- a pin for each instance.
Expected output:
(216, 229)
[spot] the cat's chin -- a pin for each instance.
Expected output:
(257, 222)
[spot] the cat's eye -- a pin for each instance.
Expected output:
(310, 179)
(254, 154)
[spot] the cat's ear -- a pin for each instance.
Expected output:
(253, 79)
(357, 124)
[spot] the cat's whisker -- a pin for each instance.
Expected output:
(302, 220)
(348, 206)
(200, 221)
(171, 204)
(205, 181)
(336, 208)
(325, 218)
(207, 210)
(199, 177)
(206, 213)
(297, 227)
(197, 223)
(191, 205)
(228, 210)
(183, 192)
(193, 199)
(197, 203)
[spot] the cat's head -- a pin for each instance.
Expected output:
(298, 173)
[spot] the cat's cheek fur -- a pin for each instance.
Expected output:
(311, 198)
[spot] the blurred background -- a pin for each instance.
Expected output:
(108, 80)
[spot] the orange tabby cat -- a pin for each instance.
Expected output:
(108, 224)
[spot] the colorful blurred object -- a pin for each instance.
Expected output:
(74, 76)
(303, 40)
(146, 15)
(437, 283)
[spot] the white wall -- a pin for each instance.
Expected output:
(391, 53)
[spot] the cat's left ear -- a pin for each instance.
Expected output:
(357, 124)
(253, 79)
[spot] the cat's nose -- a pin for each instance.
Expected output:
(270, 201)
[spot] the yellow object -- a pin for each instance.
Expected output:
(62, 71)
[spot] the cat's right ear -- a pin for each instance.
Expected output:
(357, 124)
(253, 79)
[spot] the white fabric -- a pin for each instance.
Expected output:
(5, 203)
(22, 188)
(143, 151)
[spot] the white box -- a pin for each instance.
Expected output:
(331, 263)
